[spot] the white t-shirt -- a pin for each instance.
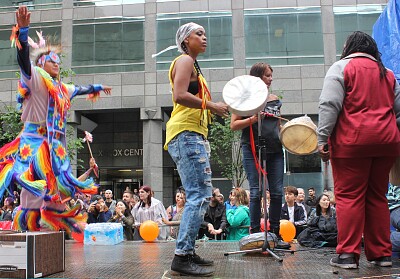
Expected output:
(291, 213)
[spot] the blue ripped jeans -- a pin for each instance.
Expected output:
(189, 154)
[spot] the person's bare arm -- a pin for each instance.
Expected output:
(238, 123)
(181, 77)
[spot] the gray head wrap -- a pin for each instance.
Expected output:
(183, 32)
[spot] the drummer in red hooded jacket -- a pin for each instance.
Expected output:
(358, 108)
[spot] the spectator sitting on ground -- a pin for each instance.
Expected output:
(150, 208)
(220, 198)
(229, 204)
(215, 218)
(80, 199)
(175, 212)
(239, 218)
(87, 201)
(300, 201)
(293, 212)
(134, 200)
(127, 198)
(109, 201)
(98, 211)
(332, 199)
(393, 197)
(312, 199)
(123, 215)
(321, 225)
(16, 198)
(7, 210)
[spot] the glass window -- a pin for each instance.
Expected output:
(291, 36)
(172, 0)
(8, 55)
(9, 5)
(105, 2)
(108, 45)
(351, 18)
(218, 27)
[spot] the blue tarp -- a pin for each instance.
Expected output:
(386, 33)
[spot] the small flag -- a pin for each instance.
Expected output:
(88, 137)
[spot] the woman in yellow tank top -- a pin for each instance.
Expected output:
(186, 143)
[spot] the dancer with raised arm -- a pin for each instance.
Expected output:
(37, 160)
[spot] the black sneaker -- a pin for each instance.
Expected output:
(342, 261)
(382, 261)
(280, 244)
(201, 261)
(184, 265)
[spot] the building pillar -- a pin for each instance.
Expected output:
(66, 33)
(328, 32)
(329, 37)
(238, 37)
(151, 114)
(153, 149)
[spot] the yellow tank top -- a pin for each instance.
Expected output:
(188, 119)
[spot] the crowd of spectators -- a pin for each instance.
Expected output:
(224, 219)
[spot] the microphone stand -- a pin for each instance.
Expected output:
(263, 187)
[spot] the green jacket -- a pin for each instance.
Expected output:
(239, 222)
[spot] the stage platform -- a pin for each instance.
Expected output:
(142, 260)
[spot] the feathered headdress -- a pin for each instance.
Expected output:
(37, 48)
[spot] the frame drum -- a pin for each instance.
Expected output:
(299, 136)
(256, 240)
(245, 95)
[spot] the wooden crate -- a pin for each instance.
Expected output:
(31, 254)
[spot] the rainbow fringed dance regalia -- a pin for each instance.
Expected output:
(37, 161)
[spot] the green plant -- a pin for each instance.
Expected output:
(11, 124)
(226, 151)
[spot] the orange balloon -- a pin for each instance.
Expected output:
(287, 230)
(149, 230)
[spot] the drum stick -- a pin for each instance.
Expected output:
(272, 115)
(90, 150)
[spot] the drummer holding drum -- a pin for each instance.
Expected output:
(273, 154)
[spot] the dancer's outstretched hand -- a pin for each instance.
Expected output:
(23, 16)
(107, 89)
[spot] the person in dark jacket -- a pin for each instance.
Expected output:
(292, 211)
(215, 218)
(311, 199)
(300, 201)
(98, 211)
(321, 225)
(7, 210)
(123, 215)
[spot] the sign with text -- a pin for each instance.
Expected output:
(127, 152)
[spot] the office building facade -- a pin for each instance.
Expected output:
(112, 42)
